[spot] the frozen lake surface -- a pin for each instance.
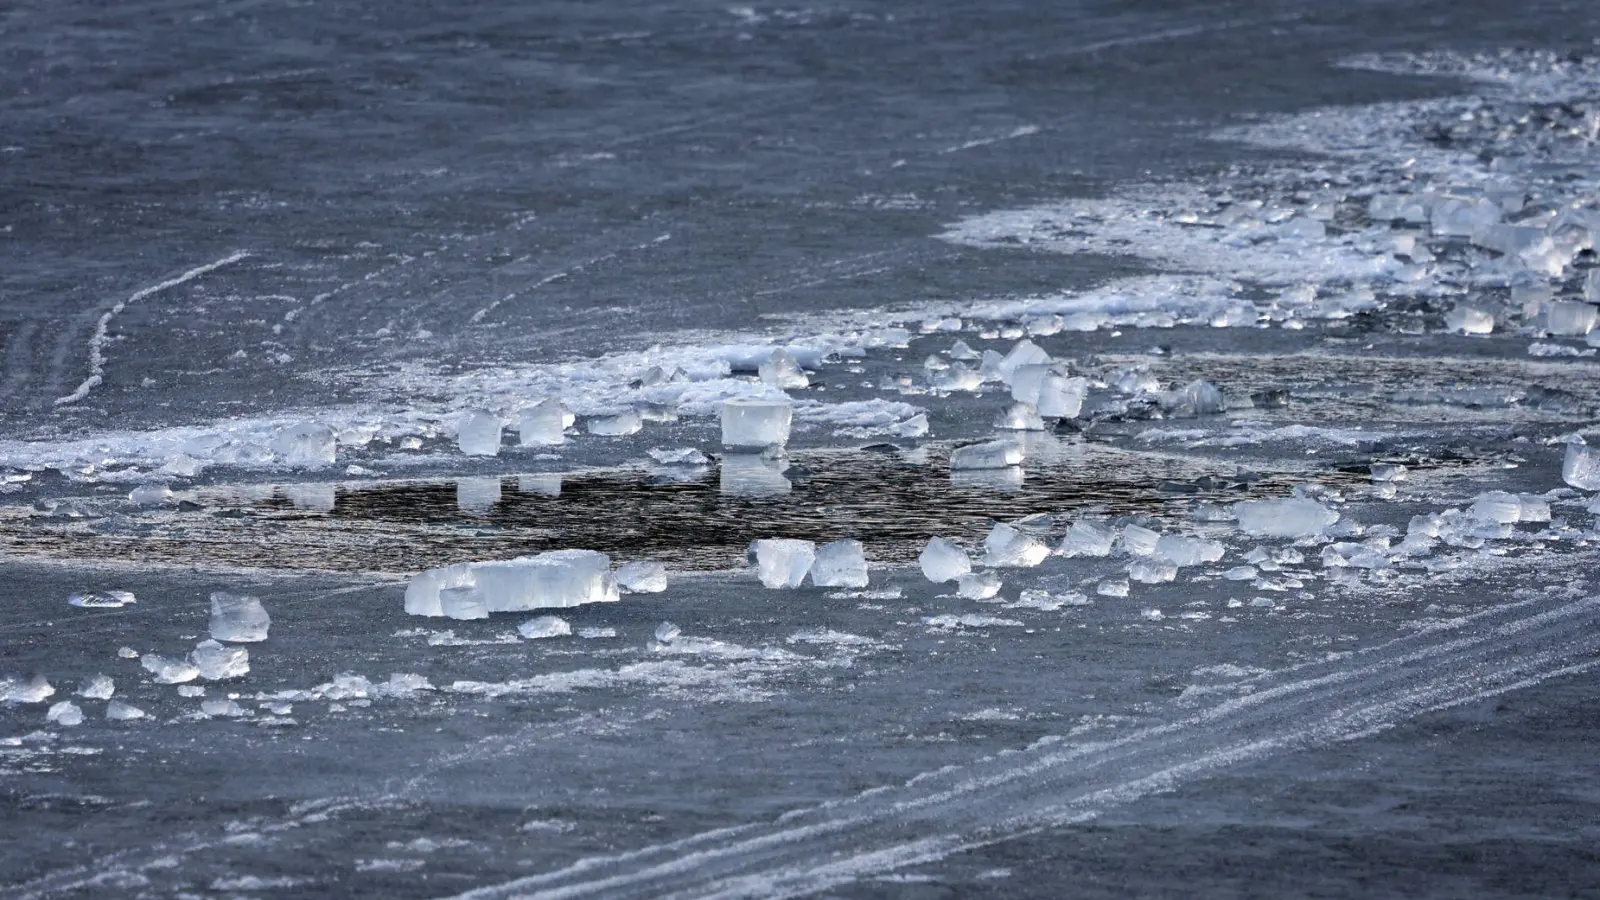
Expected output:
(1287, 310)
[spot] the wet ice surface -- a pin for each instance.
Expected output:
(1259, 530)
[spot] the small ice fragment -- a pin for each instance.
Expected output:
(1465, 319)
(782, 562)
(1151, 614)
(102, 599)
(191, 690)
(224, 707)
(32, 690)
(755, 424)
(978, 585)
(1240, 573)
(306, 445)
(544, 627)
(478, 433)
(97, 687)
(1112, 587)
(667, 632)
(169, 671)
(1291, 517)
(1007, 547)
(1187, 551)
(542, 424)
(688, 456)
(117, 711)
(619, 425)
(127, 653)
(566, 578)
(463, 603)
(988, 455)
(345, 686)
(782, 371)
(411, 442)
(150, 494)
(217, 662)
(66, 714)
(1534, 508)
(960, 350)
(1151, 570)
(642, 577)
(943, 561)
(1138, 540)
(1087, 539)
(238, 618)
(840, 563)
(1568, 318)
(1581, 467)
(1020, 417)
(1386, 472)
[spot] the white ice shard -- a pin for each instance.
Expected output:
(619, 425)
(1187, 551)
(102, 599)
(782, 371)
(1087, 539)
(217, 662)
(542, 424)
(978, 585)
(1020, 417)
(756, 424)
(238, 618)
(150, 494)
(169, 671)
(783, 562)
(1567, 318)
(422, 594)
(1007, 547)
(1291, 517)
(1152, 570)
(306, 445)
(544, 627)
(478, 433)
(28, 690)
(1466, 319)
(987, 455)
(841, 563)
(66, 714)
(117, 711)
(1581, 467)
(642, 576)
(943, 561)
(1137, 540)
(97, 687)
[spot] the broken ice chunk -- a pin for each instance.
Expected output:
(542, 424)
(238, 618)
(642, 577)
(223, 707)
(307, 445)
(544, 627)
(916, 426)
(1386, 472)
(1469, 320)
(1061, 397)
(1240, 573)
(1151, 570)
(783, 562)
(755, 424)
(150, 494)
(978, 585)
(1581, 467)
(98, 687)
(1497, 507)
(422, 594)
(1462, 216)
(1204, 398)
(478, 433)
(1357, 556)
(688, 456)
(31, 690)
(960, 350)
(1187, 551)
(841, 563)
(943, 561)
(1138, 540)
(117, 711)
(169, 671)
(782, 371)
(1008, 547)
(1568, 318)
(1291, 517)
(1112, 587)
(217, 662)
(563, 578)
(1027, 381)
(987, 455)
(102, 599)
(1025, 353)
(667, 632)
(1087, 539)
(619, 425)
(66, 714)
(1020, 417)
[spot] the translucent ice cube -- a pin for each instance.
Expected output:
(1138, 540)
(97, 687)
(782, 371)
(1581, 467)
(960, 350)
(1061, 397)
(478, 433)
(840, 564)
(1087, 539)
(236, 617)
(978, 585)
(943, 561)
(783, 562)
(988, 455)
(102, 599)
(542, 424)
(565, 578)
(223, 707)
(307, 445)
(66, 714)
(754, 424)
(619, 425)
(1187, 551)
(1025, 352)
(25, 690)
(544, 627)
(642, 577)
(1008, 547)
(1112, 587)
(1151, 570)
(1291, 517)
(217, 662)
(169, 671)
(1497, 507)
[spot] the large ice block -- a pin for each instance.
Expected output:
(943, 561)
(1291, 517)
(1009, 547)
(783, 562)
(422, 594)
(756, 424)
(978, 585)
(1061, 397)
(478, 433)
(1024, 353)
(239, 618)
(307, 444)
(840, 564)
(1138, 540)
(463, 603)
(217, 662)
(1581, 467)
(542, 424)
(988, 455)
(1087, 539)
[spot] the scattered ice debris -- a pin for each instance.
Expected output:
(978, 585)
(1555, 350)
(756, 424)
(1187, 551)
(169, 671)
(117, 711)
(688, 456)
(1112, 587)
(224, 708)
(1044, 601)
(25, 690)
(667, 632)
(478, 433)
(1292, 517)
(544, 627)
(1382, 473)
(1151, 570)
(943, 561)
(970, 620)
(150, 494)
(191, 690)
(596, 633)
(1087, 539)
(97, 687)
(127, 653)
(344, 686)
(66, 714)
(217, 662)
(238, 618)
(781, 370)
(642, 577)
(782, 562)
(1009, 547)
(1240, 573)
(841, 563)
(1137, 540)
(988, 455)
(1581, 467)
(620, 425)
(400, 684)
(542, 424)
(102, 599)
(1344, 554)
(306, 445)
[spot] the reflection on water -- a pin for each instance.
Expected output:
(1007, 479)
(477, 496)
(753, 475)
